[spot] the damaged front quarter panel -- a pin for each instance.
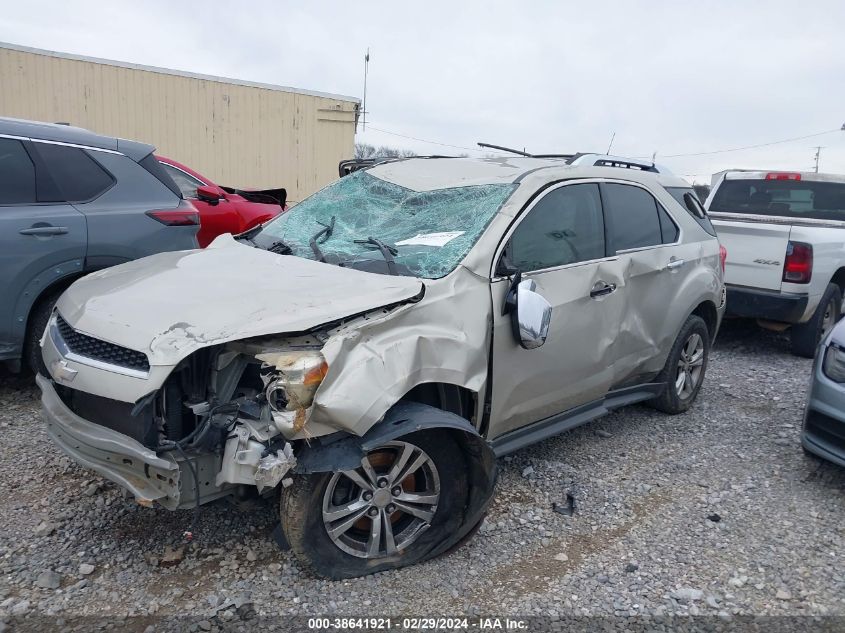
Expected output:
(346, 376)
(378, 358)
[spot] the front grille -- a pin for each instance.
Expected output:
(112, 414)
(102, 351)
(826, 428)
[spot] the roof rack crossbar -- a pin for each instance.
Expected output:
(627, 164)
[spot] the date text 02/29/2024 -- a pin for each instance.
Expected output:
(417, 624)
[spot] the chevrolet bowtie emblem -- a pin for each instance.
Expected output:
(61, 371)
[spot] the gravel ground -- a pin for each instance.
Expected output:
(717, 511)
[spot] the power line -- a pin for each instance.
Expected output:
(737, 149)
(707, 153)
(422, 140)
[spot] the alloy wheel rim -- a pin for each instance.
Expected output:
(690, 366)
(384, 505)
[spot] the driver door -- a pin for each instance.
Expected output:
(559, 244)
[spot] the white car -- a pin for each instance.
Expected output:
(785, 237)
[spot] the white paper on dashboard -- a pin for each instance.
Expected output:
(431, 239)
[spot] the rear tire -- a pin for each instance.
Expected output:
(38, 318)
(805, 337)
(689, 354)
(315, 504)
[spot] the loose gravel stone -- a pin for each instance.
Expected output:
(642, 496)
(48, 580)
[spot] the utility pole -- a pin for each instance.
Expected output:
(364, 100)
(819, 149)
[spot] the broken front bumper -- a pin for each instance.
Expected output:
(115, 456)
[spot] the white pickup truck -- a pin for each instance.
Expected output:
(785, 237)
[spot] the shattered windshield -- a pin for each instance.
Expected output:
(425, 233)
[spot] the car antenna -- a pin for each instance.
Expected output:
(506, 149)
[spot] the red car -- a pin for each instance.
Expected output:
(224, 209)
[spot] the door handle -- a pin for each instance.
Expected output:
(602, 288)
(674, 264)
(44, 230)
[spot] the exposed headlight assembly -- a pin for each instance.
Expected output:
(293, 378)
(833, 365)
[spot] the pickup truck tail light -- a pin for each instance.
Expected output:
(723, 257)
(183, 215)
(783, 176)
(798, 267)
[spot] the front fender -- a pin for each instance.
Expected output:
(442, 339)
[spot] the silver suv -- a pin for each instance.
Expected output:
(367, 355)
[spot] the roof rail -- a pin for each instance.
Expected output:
(605, 160)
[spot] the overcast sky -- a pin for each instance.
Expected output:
(546, 76)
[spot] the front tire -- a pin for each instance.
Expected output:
(38, 318)
(685, 368)
(805, 337)
(406, 498)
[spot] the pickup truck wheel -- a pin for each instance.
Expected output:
(685, 368)
(405, 498)
(805, 337)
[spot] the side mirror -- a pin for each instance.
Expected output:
(530, 313)
(208, 194)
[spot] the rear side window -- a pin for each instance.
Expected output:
(787, 198)
(632, 218)
(566, 226)
(688, 199)
(78, 176)
(17, 173)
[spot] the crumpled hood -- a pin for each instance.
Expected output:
(171, 304)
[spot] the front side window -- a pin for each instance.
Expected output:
(564, 227)
(426, 233)
(78, 176)
(187, 184)
(17, 173)
(632, 217)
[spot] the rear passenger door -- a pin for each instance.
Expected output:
(42, 238)
(115, 194)
(641, 233)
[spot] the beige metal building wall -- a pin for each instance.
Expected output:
(237, 133)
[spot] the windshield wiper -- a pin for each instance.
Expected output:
(250, 233)
(387, 251)
(280, 248)
(325, 233)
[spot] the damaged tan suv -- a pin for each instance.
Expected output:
(367, 355)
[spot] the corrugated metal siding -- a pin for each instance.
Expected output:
(237, 135)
